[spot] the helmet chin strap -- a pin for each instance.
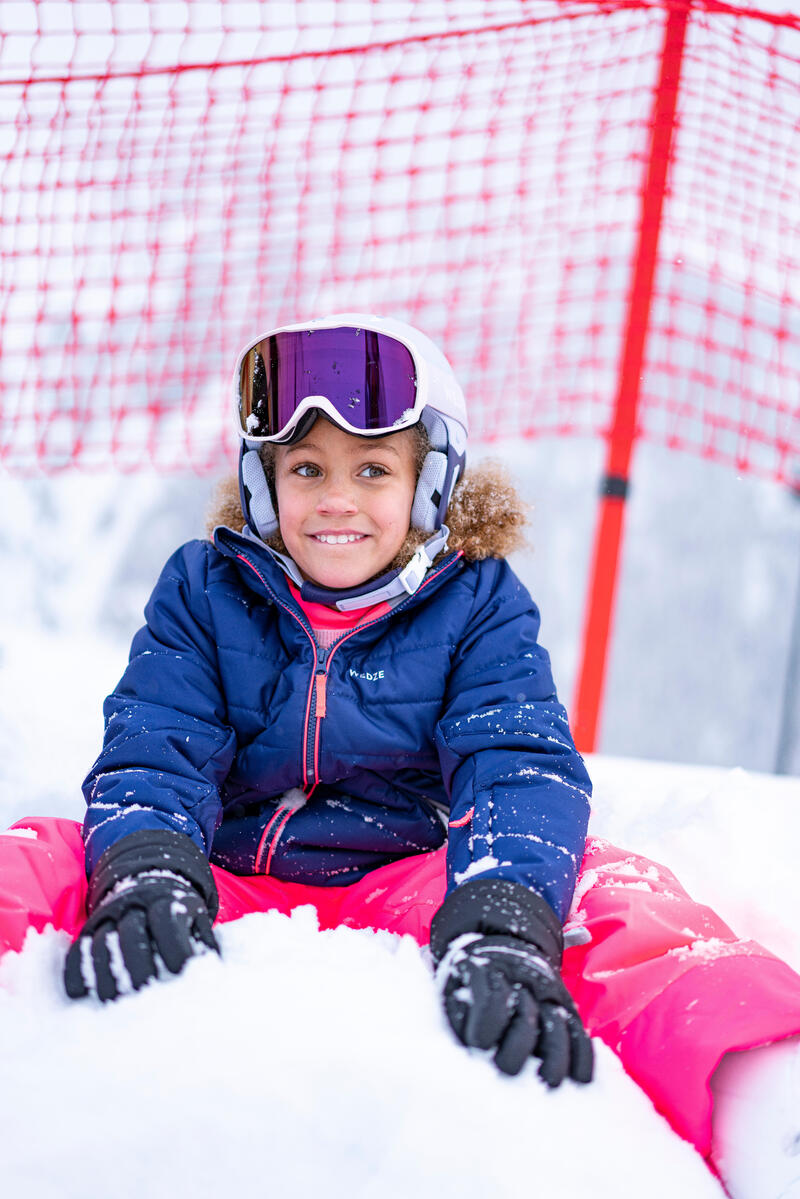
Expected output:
(390, 587)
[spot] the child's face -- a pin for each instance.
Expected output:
(344, 502)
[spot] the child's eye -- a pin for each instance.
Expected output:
(373, 471)
(306, 470)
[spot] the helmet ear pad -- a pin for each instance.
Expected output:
(257, 506)
(430, 491)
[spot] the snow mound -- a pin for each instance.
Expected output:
(303, 1063)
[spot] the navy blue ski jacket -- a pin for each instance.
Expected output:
(438, 720)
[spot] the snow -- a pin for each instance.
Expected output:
(728, 835)
(479, 866)
(303, 1063)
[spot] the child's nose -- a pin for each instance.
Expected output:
(338, 496)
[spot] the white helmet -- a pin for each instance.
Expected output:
(371, 376)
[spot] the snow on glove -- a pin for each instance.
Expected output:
(498, 949)
(151, 896)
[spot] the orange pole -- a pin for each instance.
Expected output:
(604, 569)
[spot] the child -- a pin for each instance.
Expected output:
(340, 699)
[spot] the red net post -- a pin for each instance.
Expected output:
(711, 361)
(604, 569)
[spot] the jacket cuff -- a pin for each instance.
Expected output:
(153, 849)
(492, 906)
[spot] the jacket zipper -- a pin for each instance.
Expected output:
(317, 707)
(316, 703)
(315, 649)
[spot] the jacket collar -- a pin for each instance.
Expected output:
(262, 572)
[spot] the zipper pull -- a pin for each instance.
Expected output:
(320, 681)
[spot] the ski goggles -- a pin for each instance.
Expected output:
(365, 381)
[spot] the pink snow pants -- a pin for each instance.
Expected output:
(661, 979)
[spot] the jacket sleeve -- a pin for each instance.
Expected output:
(519, 791)
(167, 746)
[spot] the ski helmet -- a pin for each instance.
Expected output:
(371, 376)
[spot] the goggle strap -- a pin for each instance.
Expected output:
(436, 428)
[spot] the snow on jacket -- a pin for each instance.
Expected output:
(232, 726)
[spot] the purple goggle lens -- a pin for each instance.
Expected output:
(369, 378)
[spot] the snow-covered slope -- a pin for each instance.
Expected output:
(303, 1064)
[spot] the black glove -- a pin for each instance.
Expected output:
(498, 949)
(151, 893)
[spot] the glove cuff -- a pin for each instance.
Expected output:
(496, 906)
(153, 849)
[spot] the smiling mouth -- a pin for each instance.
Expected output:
(338, 538)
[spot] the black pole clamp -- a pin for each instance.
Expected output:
(615, 486)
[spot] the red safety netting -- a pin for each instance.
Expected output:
(723, 355)
(177, 177)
